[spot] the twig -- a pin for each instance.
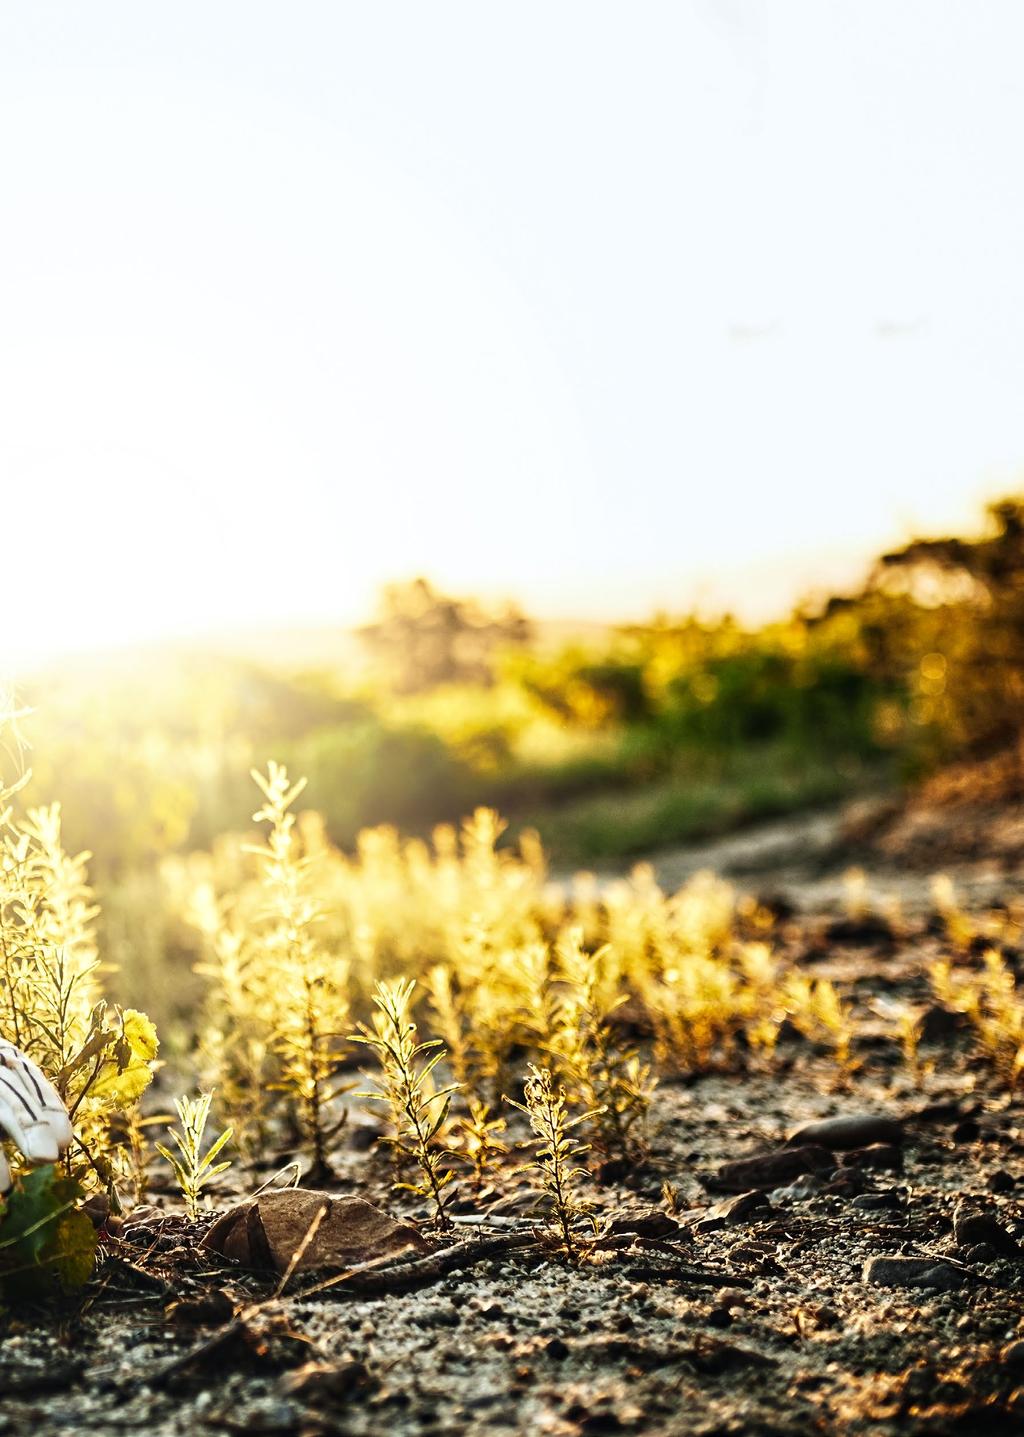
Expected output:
(402, 1276)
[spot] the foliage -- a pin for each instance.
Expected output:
(278, 1000)
(419, 1110)
(99, 1056)
(45, 1240)
(554, 1164)
(606, 1076)
(193, 1167)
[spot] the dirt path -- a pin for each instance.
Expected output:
(805, 858)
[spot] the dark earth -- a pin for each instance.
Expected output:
(861, 1275)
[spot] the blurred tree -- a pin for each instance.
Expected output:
(962, 639)
(422, 638)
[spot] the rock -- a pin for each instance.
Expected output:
(1012, 1354)
(862, 932)
(735, 1209)
(770, 1170)
(804, 1187)
(938, 1024)
(981, 1254)
(883, 1157)
(845, 1183)
(878, 1202)
(844, 1134)
(645, 1221)
(913, 1272)
(1001, 1181)
(978, 1229)
(730, 1297)
(322, 1383)
(266, 1232)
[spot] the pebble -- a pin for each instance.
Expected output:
(1012, 1354)
(1001, 1181)
(321, 1382)
(884, 1157)
(770, 1170)
(805, 1187)
(913, 1272)
(856, 1130)
(974, 1229)
(735, 1209)
(877, 1202)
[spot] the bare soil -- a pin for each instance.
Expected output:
(771, 1316)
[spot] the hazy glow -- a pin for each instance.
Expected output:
(603, 306)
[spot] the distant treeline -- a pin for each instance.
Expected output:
(460, 705)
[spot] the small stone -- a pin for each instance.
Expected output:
(740, 1207)
(843, 1134)
(884, 1157)
(938, 1024)
(645, 1221)
(877, 1202)
(729, 1297)
(1012, 1354)
(805, 1187)
(981, 1253)
(865, 932)
(557, 1349)
(770, 1170)
(321, 1383)
(1001, 1181)
(972, 1229)
(913, 1272)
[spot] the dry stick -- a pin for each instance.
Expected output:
(378, 1282)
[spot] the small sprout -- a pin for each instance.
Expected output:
(555, 1166)
(419, 1111)
(606, 1076)
(193, 1168)
(478, 1144)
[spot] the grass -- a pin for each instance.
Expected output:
(704, 802)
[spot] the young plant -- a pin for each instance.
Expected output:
(192, 1166)
(816, 1009)
(310, 993)
(475, 1135)
(607, 1077)
(555, 1165)
(419, 1110)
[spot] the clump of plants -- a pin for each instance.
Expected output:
(99, 1056)
(278, 996)
(418, 1109)
(555, 1168)
(604, 1074)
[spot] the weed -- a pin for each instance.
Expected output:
(419, 1110)
(193, 1167)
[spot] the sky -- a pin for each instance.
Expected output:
(603, 307)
